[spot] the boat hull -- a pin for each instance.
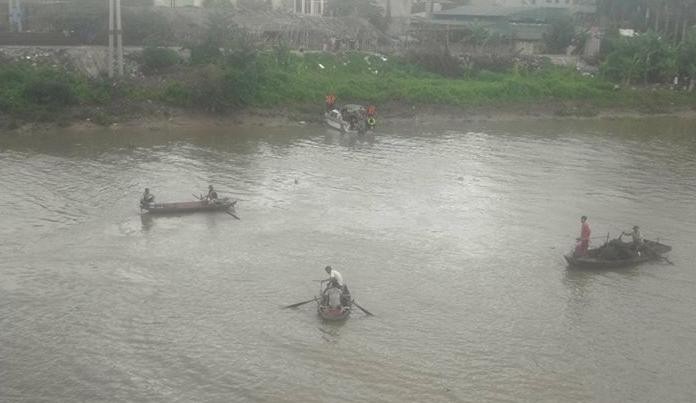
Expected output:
(187, 207)
(335, 120)
(334, 314)
(652, 251)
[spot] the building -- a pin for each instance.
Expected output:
(277, 4)
(179, 3)
(584, 6)
(523, 22)
(309, 7)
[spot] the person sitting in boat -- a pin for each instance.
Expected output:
(148, 198)
(332, 297)
(637, 244)
(212, 195)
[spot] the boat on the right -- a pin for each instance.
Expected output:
(617, 253)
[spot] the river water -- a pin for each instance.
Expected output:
(452, 234)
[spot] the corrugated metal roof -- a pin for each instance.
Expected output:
(492, 11)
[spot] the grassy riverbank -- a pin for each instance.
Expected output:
(297, 85)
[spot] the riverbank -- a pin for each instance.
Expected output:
(280, 88)
(390, 115)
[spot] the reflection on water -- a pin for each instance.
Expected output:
(452, 235)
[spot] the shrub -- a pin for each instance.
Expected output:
(646, 57)
(438, 62)
(50, 92)
(559, 34)
(158, 59)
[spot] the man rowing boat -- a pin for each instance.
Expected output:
(335, 282)
(148, 198)
(212, 195)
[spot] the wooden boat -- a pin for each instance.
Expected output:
(599, 258)
(349, 119)
(331, 309)
(224, 204)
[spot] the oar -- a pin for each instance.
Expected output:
(300, 303)
(363, 309)
(197, 197)
(232, 214)
(667, 260)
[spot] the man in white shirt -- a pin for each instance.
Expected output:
(335, 277)
(336, 282)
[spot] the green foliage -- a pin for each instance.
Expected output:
(50, 92)
(645, 58)
(38, 92)
(559, 35)
(686, 58)
(438, 62)
(158, 59)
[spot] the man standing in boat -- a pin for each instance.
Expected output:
(330, 101)
(212, 196)
(584, 240)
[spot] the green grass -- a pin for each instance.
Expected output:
(26, 90)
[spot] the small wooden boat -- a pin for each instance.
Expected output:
(224, 204)
(334, 303)
(616, 253)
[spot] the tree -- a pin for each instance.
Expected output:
(686, 58)
(646, 57)
(559, 34)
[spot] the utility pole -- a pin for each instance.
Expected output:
(15, 14)
(119, 38)
(115, 35)
(111, 38)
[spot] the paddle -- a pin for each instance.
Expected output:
(363, 309)
(300, 303)
(232, 214)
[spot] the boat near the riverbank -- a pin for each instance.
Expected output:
(615, 253)
(350, 118)
(225, 205)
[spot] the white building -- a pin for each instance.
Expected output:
(309, 7)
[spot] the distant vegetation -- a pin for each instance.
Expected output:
(648, 58)
(227, 70)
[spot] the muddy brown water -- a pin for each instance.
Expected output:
(451, 233)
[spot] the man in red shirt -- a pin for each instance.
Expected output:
(584, 240)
